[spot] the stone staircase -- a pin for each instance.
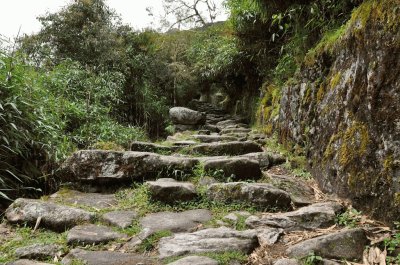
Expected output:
(205, 197)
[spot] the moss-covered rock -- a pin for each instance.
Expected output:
(343, 108)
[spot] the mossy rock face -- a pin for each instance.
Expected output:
(343, 107)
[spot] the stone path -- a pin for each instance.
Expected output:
(212, 195)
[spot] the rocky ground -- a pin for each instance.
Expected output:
(214, 193)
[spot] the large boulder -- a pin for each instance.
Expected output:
(170, 190)
(344, 245)
(319, 215)
(98, 167)
(50, 215)
(229, 148)
(208, 240)
(237, 168)
(107, 258)
(185, 116)
(261, 195)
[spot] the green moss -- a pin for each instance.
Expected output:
(335, 80)
(327, 45)
(320, 93)
(354, 144)
(397, 198)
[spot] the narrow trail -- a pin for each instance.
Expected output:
(216, 195)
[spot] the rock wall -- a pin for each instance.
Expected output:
(343, 108)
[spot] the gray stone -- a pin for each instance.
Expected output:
(169, 221)
(230, 124)
(107, 258)
(234, 130)
(184, 143)
(260, 195)
(234, 216)
(237, 168)
(92, 234)
(184, 127)
(263, 158)
(319, 215)
(347, 244)
(27, 262)
(214, 138)
(208, 240)
(185, 116)
(269, 236)
(122, 219)
(170, 190)
(204, 132)
(98, 167)
(39, 251)
(286, 262)
(94, 200)
(228, 148)
(195, 260)
(301, 193)
(53, 216)
(151, 147)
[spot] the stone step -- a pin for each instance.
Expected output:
(227, 148)
(348, 244)
(315, 216)
(101, 169)
(107, 258)
(48, 214)
(260, 195)
(187, 221)
(208, 241)
(92, 235)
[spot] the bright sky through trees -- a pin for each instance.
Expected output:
(23, 13)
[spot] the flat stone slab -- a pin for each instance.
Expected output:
(347, 244)
(121, 219)
(214, 138)
(27, 262)
(269, 236)
(208, 240)
(260, 195)
(53, 216)
(151, 147)
(234, 130)
(300, 192)
(99, 166)
(319, 215)
(227, 148)
(236, 168)
(92, 234)
(107, 258)
(95, 200)
(286, 262)
(170, 190)
(39, 251)
(195, 260)
(169, 221)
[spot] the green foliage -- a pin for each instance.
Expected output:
(150, 243)
(350, 218)
(312, 259)
(26, 237)
(392, 245)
